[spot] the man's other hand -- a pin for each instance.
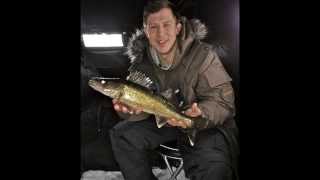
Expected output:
(193, 111)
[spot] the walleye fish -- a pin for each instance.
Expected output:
(137, 96)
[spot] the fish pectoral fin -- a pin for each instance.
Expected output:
(191, 136)
(191, 141)
(167, 94)
(160, 121)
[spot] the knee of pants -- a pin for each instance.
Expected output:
(208, 162)
(221, 170)
(214, 170)
(126, 137)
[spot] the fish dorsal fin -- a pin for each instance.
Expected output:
(140, 78)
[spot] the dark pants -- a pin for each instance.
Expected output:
(207, 160)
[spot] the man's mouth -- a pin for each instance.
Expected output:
(162, 42)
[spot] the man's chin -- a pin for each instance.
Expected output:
(163, 50)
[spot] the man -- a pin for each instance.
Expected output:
(170, 53)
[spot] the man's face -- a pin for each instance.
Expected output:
(162, 30)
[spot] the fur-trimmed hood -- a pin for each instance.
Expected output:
(191, 30)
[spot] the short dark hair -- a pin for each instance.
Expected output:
(155, 6)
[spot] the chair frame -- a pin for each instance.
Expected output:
(166, 158)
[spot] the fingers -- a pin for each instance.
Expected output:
(193, 111)
(114, 101)
(174, 122)
(124, 109)
(194, 107)
(138, 111)
(118, 106)
(183, 125)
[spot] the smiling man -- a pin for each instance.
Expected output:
(189, 74)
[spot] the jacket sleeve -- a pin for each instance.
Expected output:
(214, 93)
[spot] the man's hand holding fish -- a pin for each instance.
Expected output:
(193, 111)
(118, 106)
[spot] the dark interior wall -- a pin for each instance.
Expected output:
(222, 20)
(108, 16)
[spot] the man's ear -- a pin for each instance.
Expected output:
(179, 26)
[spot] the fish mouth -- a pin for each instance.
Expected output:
(94, 84)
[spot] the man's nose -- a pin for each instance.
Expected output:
(161, 32)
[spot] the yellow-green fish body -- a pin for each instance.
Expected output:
(137, 96)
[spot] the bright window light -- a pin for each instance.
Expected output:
(102, 40)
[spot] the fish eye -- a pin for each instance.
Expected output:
(103, 81)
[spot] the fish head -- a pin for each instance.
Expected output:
(107, 86)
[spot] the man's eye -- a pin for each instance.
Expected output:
(167, 25)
